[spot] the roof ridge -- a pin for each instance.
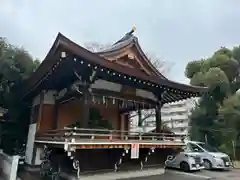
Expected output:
(127, 36)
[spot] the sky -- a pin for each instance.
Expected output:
(176, 31)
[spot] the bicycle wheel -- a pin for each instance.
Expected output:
(43, 174)
(55, 177)
(45, 166)
(56, 174)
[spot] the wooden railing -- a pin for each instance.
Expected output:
(80, 134)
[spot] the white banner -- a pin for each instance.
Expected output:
(134, 151)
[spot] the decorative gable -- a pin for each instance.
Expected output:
(129, 57)
(128, 52)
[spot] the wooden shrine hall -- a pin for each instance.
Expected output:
(81, 102)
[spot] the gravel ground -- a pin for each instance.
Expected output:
(173, 175)
(151, 174)
(201, 175)
(233, 174)
(169, 177)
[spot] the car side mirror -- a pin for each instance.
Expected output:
(170, 157)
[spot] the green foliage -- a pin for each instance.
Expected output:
(220, 108)
(218, 83)
(228, 65)
(96, 120)
(224, 51)
(236, 53)
(229, 112)
(198, 79)
(192, 68)
(15, 66)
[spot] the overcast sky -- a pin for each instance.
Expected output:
(175, 30)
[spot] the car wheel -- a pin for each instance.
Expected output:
(207, 164)
(184, 166)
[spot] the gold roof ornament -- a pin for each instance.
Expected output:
(134, 28)
(127, 35)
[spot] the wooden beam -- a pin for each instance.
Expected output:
(120, 95)
(85, 110)
(100, 92)
(40, 110)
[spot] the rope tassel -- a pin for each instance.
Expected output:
(119, 162)
(151, 151)
(76, 166)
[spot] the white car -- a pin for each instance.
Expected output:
(212, 158)
(186, 161)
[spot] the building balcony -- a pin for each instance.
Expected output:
(175, 109)
(175, 117)
(180, 124)
(101, 138)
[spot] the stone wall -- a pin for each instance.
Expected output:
(9, 166)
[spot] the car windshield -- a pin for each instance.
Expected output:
(208, 147)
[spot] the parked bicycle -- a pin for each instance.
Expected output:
(47, 169)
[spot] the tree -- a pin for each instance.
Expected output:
(142, 116)
(161, 65)
(220, 73)
(15, 66)
(229, 121)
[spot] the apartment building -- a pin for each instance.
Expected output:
(175, 116)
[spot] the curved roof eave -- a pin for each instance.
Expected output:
(46, 65)
(51, 59)
(136, 43)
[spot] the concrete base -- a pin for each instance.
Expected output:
(31, 168)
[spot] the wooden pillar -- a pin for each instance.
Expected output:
(55, 115)
(85, 111)
(40, 110)
(139, 112)
(122, 125)
(127, 123)
(158, 118)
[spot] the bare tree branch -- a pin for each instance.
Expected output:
(132, 116)
(96, 47)
(160, 64)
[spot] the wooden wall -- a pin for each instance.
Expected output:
(47, 116)
(70, 112)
